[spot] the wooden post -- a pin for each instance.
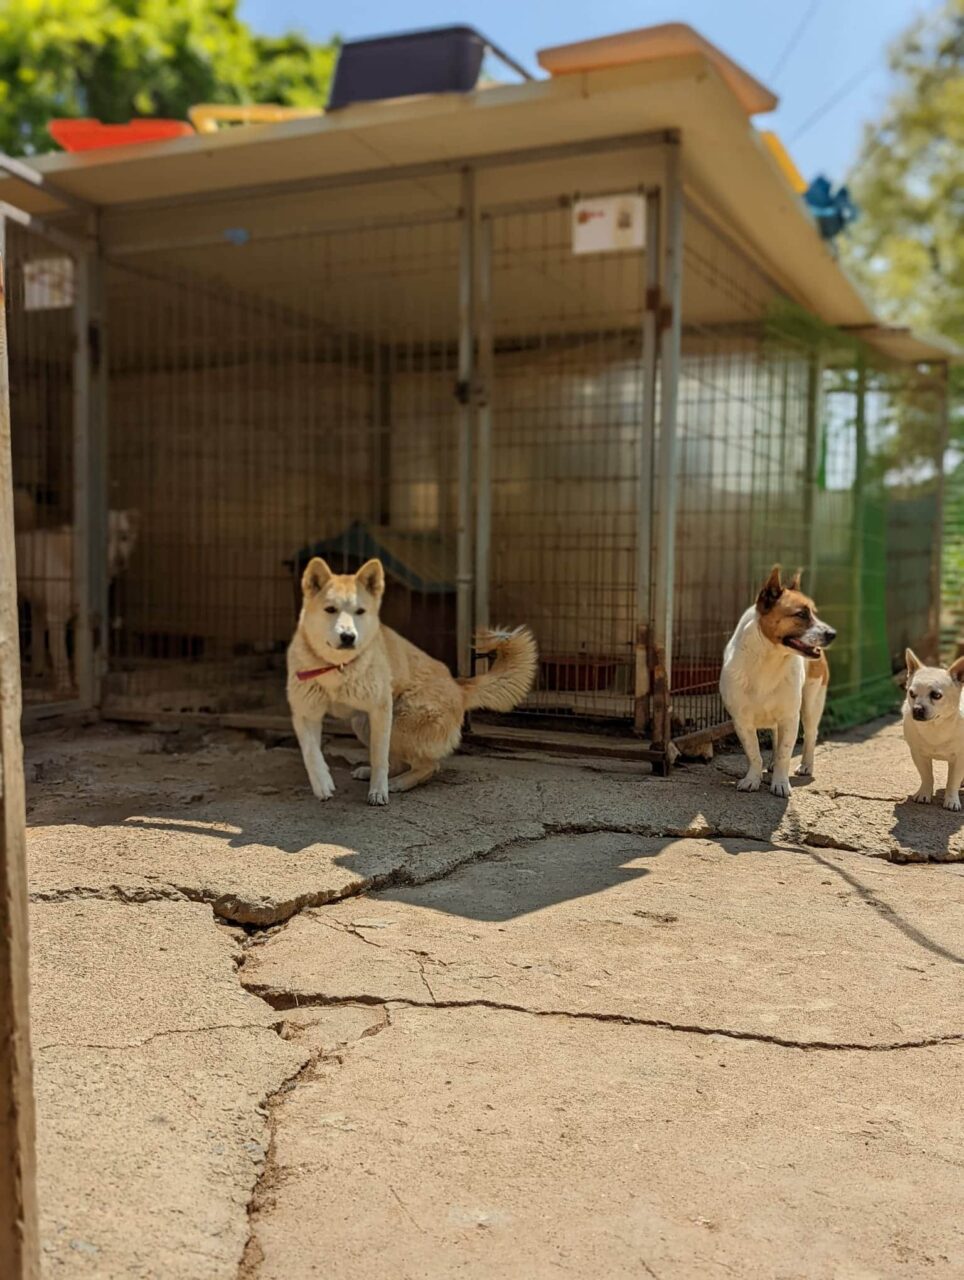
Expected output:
(19, 1247)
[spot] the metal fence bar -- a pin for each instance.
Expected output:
(664, 568)
(466, 412)
(98, 489)
(483, 479)
(815, 409)
(647, 441)
(19, 1239)
(857, 527)
(83, 503)
(940, 507)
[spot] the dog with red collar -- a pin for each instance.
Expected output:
(405, 706)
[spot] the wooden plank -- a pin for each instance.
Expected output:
(19, 1245)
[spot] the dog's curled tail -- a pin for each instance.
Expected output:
(511, 675)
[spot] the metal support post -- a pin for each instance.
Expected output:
(483, 423)
(90, 518)
(857, 527)
(664, 564)
(466, 413)
(815, 408)
(652, 302)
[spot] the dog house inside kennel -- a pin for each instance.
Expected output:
(557, 385)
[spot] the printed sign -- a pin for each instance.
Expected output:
(608, 223)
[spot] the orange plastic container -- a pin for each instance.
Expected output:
(92, 135)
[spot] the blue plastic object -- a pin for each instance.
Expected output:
(832, 210)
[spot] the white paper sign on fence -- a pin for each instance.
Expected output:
(608, 223)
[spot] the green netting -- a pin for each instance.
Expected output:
(952, 576)
(875, 503)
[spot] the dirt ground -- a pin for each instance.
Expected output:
(541, 1018)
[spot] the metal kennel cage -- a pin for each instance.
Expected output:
(611, 446)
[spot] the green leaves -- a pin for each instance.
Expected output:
(908, 246)
(117, 59)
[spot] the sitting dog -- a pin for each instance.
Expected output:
(45, 579)
(405, 706)
(773, 664)
(934, 725)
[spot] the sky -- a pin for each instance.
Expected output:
(807, 51)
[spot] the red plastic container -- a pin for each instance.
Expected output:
(91, 135)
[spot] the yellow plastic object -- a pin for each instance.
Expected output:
(208, 116)
(787, 167)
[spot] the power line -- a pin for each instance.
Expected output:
(795, 39)
(920, 28)
(845, 89)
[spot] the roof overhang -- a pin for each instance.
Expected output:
(727, 165)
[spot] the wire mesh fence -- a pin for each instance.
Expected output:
(566, 394)
(797, 445)
(298, 392)
(300, 407)
(40, 293)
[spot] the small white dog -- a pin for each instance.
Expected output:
(773, 664)
(934, 725)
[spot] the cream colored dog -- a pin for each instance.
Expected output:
(404, 705)
(45, 579)
(934, 726)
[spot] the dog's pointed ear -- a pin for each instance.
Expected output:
(912, 662)
(956, 670)
(315, 577)
(372, 577)
(794, 583)
(771, 591)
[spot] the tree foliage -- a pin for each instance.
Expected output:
(908, 245)
(117, 59)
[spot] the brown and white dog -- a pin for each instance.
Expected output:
(774, 665)
(45, 579)
(405, 706)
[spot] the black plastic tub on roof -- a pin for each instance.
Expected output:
(437, 60)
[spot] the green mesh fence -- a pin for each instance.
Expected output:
(952, 576)
(876, 529)
(799, 444)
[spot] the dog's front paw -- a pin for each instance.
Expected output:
(923, 796)
(953, 802)
(378, 795)
(324, 788)
(362, 772)
(750, 783)
(780, 787)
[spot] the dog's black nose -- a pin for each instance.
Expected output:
(829, 635)
(919, 713)
(346, 641)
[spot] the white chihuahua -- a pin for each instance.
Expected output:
(934, 725)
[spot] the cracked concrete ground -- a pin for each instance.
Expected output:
(541, 1017)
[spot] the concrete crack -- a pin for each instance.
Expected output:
(285, 1000)
(159, 1035)
(252, 1255)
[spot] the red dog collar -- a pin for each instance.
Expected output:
(322, 671)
